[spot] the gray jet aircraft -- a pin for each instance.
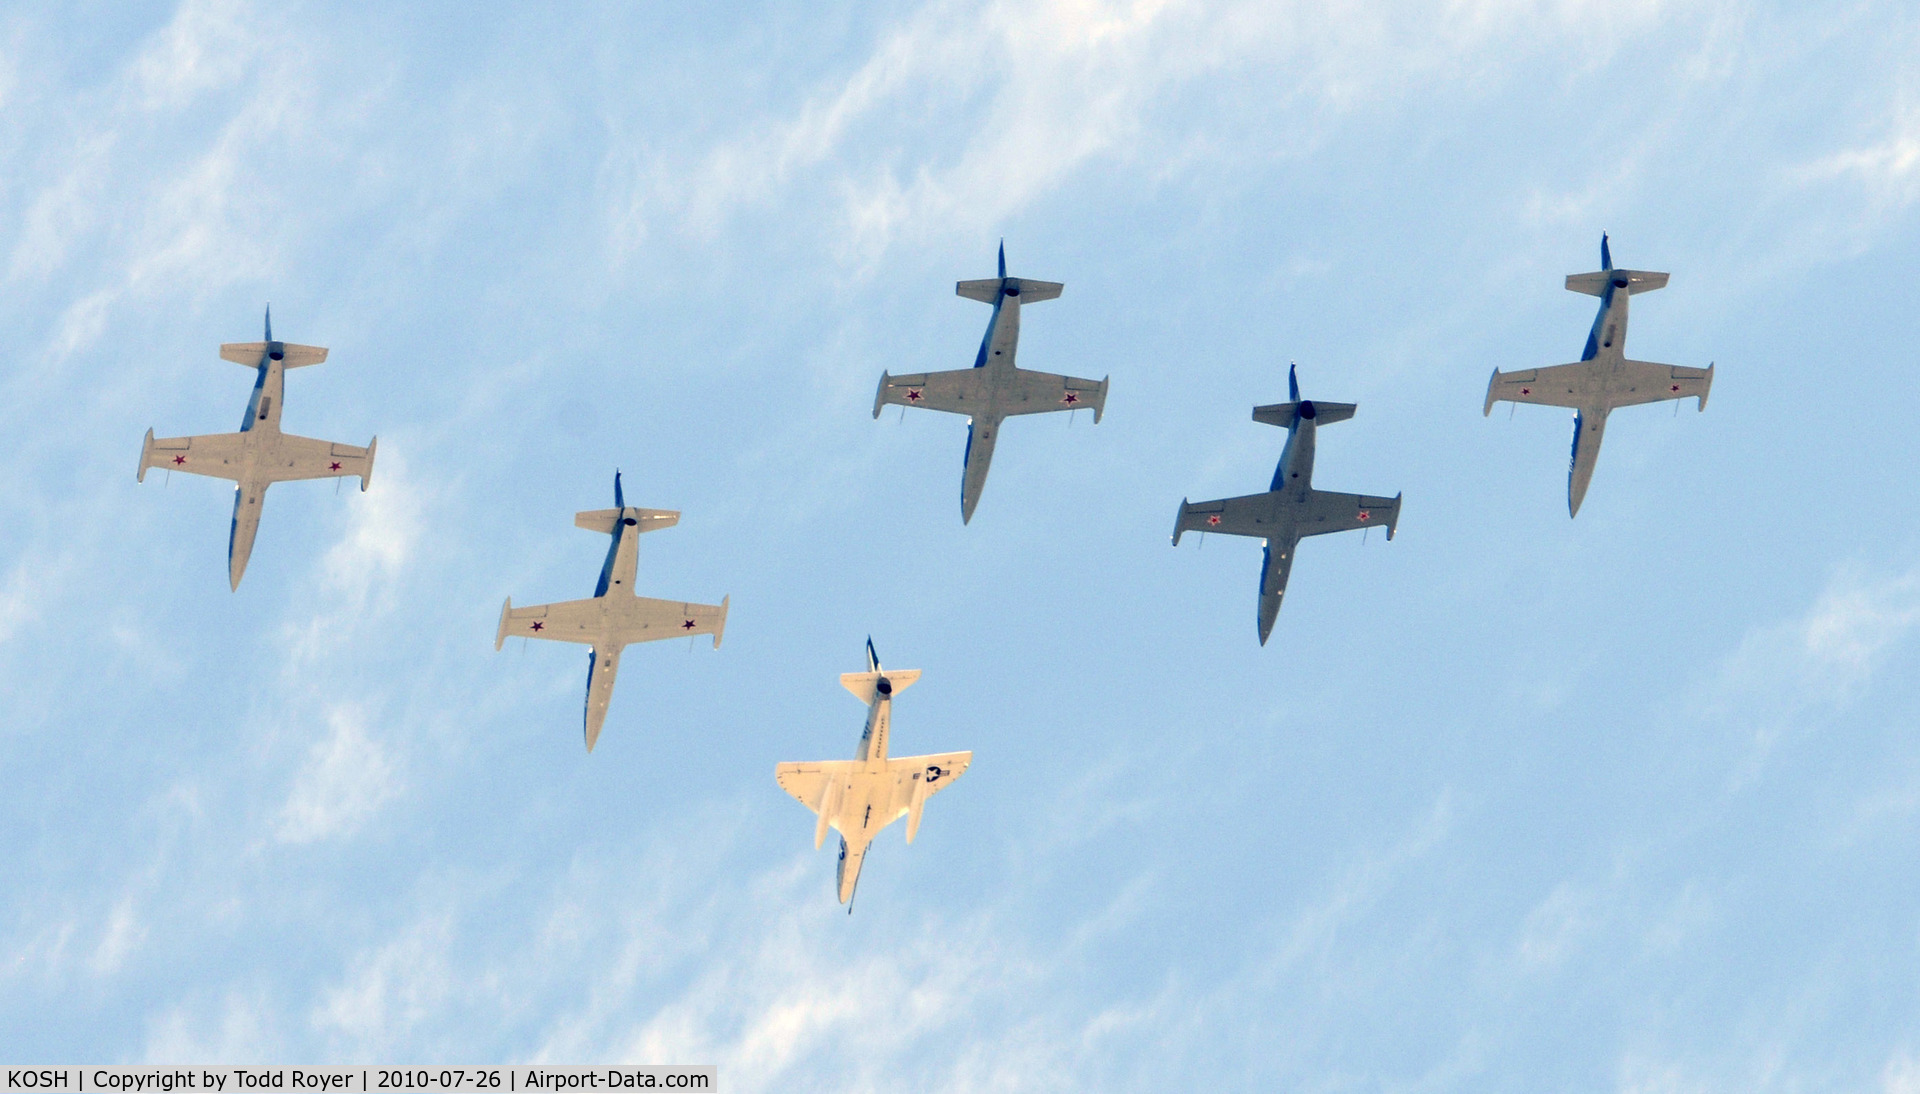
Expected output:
(1603, 378)
(259, 455)
(863, 795)
(1292, 509)
(613, 617)
(993, 389)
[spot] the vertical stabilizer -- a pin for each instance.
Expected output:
(1003, 259)
(1293, 382)
(1606, 256)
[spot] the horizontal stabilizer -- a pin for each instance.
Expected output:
(251, 354)
(1281, 414)
(988, 290)
(861, 684)
(1595, 284)
(645, 520)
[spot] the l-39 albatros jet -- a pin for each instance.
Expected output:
(613, 617)
(259, 455)
(865, 794)
(1292, 509)
(1603, 378)
(993, 389)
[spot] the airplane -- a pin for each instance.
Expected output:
(259, 455)
(993, 389)
(613, 617)
(1603, 378)
(1292, 508)
(863, 795)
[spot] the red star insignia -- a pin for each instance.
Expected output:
(913, 393)
(1675, 387)
(688, 625)
(1214, 519)
(178, 460)
(1526, 391)
(1070, 399)
(1363, 515)
(334, 466)
(539, 626)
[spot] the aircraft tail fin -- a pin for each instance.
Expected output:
(1283, 414)
(1595, 284)
(642, 520)
(1028, 291)
(865, 685)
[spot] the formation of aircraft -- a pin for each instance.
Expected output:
(1290, 509)
(1603, 378)
(861, 796)
(994, 389)
(260, 454)
(614, 617)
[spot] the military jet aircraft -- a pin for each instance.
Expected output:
(1603, 378)
(1292, 508)
(865, 794)
(613, 617)
(259, 455)
(993, 389)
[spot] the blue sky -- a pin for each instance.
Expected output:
(1513, 803)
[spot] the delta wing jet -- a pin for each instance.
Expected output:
(865, 794)
(613, 617)
(259, 455)
(1603, 378)
(993, 389)
(1292, 509)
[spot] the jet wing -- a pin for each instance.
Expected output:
(1325, 512)
(1559, 385)
(1040, 392)
(219, 455)
(807, 782)
(306, 458)
(956, 391)
(648, 620)
(565, 621)
(1248, 515)
(1639, 382)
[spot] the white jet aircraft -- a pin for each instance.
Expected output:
(613, 617)
(865, 794)
(259, 455)
(1603, 378)
(993, 389)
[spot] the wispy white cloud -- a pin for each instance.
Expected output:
(348, 776)
(1035, 92)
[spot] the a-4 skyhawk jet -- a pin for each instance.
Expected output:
(613, 617)
(1603, 378)
(993, 389)
(259, 455)
(1292, 509)
(865, 794)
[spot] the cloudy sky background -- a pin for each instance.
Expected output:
(1513, 803)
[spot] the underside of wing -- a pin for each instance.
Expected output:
(956, 391)
(1640, 382)
(307, 458)
(1041, 392)
(1559, 385)
(1326, 511)
(649, 620)
(565, 621)
(917, 778)
(1247, 515)
(220, 455)
(807, 782)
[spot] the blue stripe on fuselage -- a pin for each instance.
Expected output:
(606, 571)
(1593, 336)
(253, 404)
(980, 359)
